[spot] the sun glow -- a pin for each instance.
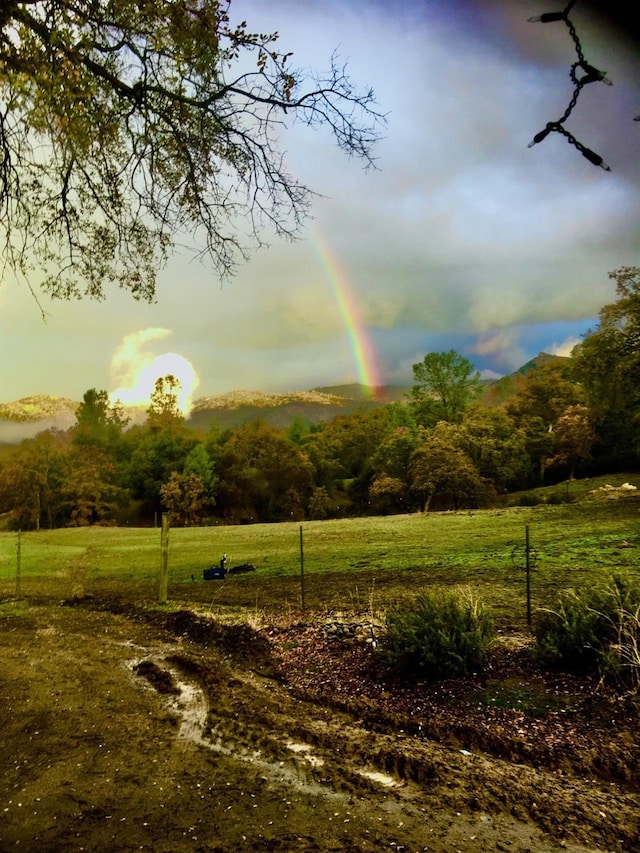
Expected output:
(135, 371)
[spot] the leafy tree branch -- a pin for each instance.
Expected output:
(124, 125)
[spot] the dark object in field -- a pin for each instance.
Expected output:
(214, 573)
(243, 567)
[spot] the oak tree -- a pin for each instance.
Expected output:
(185, 497)
(607, 363)
(440, 468)
(445, 383)
(127, 123)
(573, 437)
(546, 393)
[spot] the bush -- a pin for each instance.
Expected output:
(528, 499)
(593, 631)
(439, 634)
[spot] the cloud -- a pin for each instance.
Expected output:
(503, 346)
(565, 348)
(462, 238)
(135, 370)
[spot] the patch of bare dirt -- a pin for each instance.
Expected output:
(124, 731)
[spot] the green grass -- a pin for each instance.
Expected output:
(354, 564)
(571, 490)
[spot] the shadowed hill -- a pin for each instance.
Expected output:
(499, 392)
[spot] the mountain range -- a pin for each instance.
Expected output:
(26, 417)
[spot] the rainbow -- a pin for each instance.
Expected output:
(364, 355)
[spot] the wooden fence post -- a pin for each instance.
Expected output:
(18, 563)
(164, 559)
(301, 570)
(527, 550)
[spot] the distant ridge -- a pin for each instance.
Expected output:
(380, 394)
(26, 417)
(39, 407)
(318, 405)
(500, 391)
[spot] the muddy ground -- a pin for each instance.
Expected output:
(124, 729)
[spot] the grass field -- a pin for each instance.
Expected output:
(354, 564)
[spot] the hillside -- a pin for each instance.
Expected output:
(318, 405)
(39, 407)
(502, 390)
(26, 417)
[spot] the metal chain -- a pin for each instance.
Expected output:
(589, 75)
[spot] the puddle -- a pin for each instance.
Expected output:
(190, 705)
(304, 750)
(380, 778)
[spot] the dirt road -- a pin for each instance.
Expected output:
(128, 731)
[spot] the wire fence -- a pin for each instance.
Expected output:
(515, 561)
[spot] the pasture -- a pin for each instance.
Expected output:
(352, 565)
(133, 724)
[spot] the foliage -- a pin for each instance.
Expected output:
(495, 446)
(573, 437)
(389, 489)
(123, 124)
(319, 504)
(90, 493)
(153, 454)
(184, 496)
(440, 468)
(31, 481)
(538, 442)
(98, 422)
(595, 629)
(345, 447)
(607, 363)
(444, 385)
(387, 493)
(439, 634)
(263, 475)
(548, 391)
(164, 411)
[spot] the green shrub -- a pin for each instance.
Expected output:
(593, 631)
(558, 497)
(439, 634)
(529, 499)
(570, 637)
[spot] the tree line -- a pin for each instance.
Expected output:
(447, 446)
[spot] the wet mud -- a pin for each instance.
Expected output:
(170, 732)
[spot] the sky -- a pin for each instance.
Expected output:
(462, 238)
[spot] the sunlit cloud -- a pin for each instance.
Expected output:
(135, 370)
(565, 348)
(463, 238)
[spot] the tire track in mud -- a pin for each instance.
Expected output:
(109, 766)
(279, 757)
(326, 754)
